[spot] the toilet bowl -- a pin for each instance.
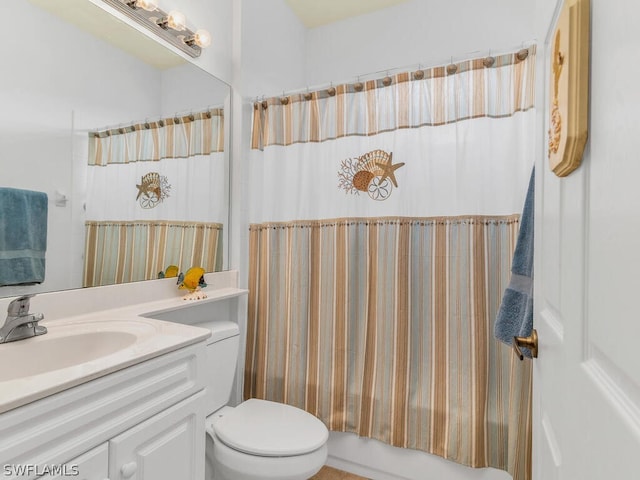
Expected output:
(258, 439)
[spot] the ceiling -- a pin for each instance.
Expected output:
(315, 13)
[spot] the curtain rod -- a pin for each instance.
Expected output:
(153, 118)
(397, 69)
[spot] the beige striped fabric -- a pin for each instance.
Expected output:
(483, 87)
(128, 251)
(199, 133)
(384, 327)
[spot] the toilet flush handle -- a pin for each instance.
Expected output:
(128, 469)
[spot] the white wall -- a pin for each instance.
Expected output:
(273, 49)
(426, 32)
(279, 54)
(188, 88)
(20, 162)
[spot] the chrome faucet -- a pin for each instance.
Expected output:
(20, 323)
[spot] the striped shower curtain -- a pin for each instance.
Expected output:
(384, 328)
(372, 306)
(129, 251)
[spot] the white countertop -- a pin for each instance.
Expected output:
(106, 340)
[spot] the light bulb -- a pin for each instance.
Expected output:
(176, 20)
(202, 38)
(148, 5)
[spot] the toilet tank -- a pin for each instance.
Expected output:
(222, 359)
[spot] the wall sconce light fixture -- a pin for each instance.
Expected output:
(149, 5)
(171, 26)
(174, 20)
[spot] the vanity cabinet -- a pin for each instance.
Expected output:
(145, 422)
(92, 465)
(162, 447)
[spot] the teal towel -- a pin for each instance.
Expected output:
(23, 236)
(515, 316)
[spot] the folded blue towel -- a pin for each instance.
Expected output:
(23, 236)
(515, 316)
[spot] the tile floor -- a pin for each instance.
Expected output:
(329, 473)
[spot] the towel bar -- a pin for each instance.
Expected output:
(530, 342)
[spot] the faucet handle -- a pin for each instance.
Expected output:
(20, 306)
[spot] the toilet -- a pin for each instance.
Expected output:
(258, 439)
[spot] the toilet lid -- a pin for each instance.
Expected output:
(270, 429)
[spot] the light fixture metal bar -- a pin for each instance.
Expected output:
(148, 20)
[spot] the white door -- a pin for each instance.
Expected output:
(587, 377)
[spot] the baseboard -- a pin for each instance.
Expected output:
(375, 460)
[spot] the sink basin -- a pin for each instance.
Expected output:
(70, 346)
(45, 353)
(77, 350)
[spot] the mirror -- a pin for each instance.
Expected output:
(75, 76)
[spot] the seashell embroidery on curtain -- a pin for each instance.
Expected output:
(373, 173)
(153, 189)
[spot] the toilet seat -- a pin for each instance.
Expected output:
(225, 463)
(269, 429)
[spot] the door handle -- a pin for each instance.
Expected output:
(530, 342)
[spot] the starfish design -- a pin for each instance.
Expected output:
(145, 188)
(141, 189)
(389, 169)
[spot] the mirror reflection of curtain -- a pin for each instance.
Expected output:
(383, 221)
(199, 133)
(140, 178)
(119, 252)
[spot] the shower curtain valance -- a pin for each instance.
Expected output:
(175, 137)
(483, 87)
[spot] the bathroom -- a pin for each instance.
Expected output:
(262, 49)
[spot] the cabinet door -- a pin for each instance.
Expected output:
(168, 446)
(93, 465)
